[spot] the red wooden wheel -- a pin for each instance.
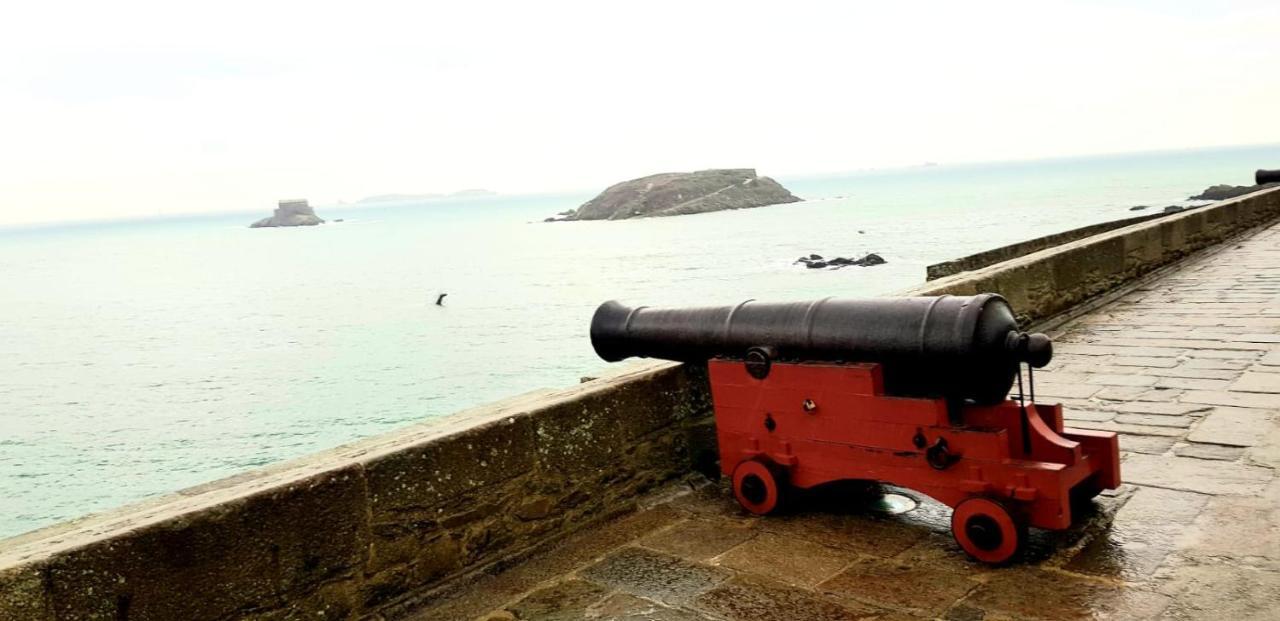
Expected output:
(759, 487)
(988, 531)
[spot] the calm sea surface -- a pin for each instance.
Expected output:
(141, 357)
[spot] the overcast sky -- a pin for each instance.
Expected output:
(119, 109)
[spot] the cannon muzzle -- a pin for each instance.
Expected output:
(961, 347)
(1266, 176)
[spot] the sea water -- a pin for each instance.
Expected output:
(141, 357)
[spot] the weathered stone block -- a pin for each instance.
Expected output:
(242, 554)
(654, 575)
(788, 560)
(1195, 475)
(1258, 382)
(412, 482)
(623, 607)
(1144, 531)
(700, 540)
(1028, 593)
(561, 601)
(747, 599)
(1232, 427)
(24, 594)
(898, 585)
(334, 601)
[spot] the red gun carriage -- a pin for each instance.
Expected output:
(911, 392)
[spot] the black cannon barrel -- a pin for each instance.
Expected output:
(1266, 176)
(965, 347)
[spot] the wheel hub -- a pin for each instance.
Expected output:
(984, 532)
(754, 489)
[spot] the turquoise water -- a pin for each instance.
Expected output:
(141, 357)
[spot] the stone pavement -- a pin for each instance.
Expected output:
(1186, 368)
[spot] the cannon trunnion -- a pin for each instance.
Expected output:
(910, 392)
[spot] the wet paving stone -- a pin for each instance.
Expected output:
(940, 551)
(1232, 426)
(1071, 391)
(871, 534)
(1209, 451)
(1168, 409)
(492, 591)
(1253, 381)
(566, 601)
(1221, 591)
(899, 585)
(1194, 475)
(1246, 530)
(1034, 594)
(700, 540)
(1097, 416)
(623, 607)
(1141, 535)
(787, 559)
(747, 599)
(1237, 399)
(1157, 420)
(1151, 445)
(654, 575)
(710, 500)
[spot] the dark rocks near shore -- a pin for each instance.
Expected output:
(1218, 192)
(290, 213)
(815, 261)
(675, 194)
(1223, 191)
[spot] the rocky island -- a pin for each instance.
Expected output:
(675, 194)
(290, 213)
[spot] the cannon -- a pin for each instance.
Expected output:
(912, 392)
(1264, 176)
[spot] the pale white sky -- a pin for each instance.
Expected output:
(125, 108)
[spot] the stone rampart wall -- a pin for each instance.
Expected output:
(354, 530)
(1012, 251)
(1045, 283)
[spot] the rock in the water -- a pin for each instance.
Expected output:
(1172, 209)
(839, 262)
(290, 213)
(815, 257)
(1223, 192)
(674, 194)
(1138, 208)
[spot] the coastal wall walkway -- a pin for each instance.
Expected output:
(1185, 367)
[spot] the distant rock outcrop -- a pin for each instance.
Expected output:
(290, 213)
(1223, 191)
(815, 261)
(674, 194)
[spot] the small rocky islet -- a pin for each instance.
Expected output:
(294, 212)
(677, 194)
